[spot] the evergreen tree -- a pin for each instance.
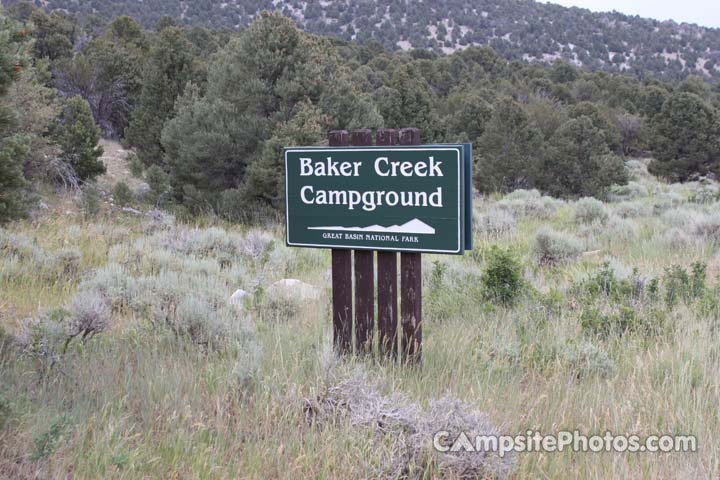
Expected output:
(168, 69)
(508, 151)
(265, 176)
(686, 138)
(213, 139)
(13, 148)
(13, 186)
(468, 114)
(577, 161)
(408, 102)
(601, 121)
(78, 137)
(54, 35)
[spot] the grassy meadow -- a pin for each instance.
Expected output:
(120, 356)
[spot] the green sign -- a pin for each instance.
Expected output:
(404, 198)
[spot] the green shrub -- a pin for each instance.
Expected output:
(631, 190)
(46, 442)
(621, 229)
(555, 247)
(502, 278)
(5, 411)
(135, 165)
(606, 282)
(159, 184)
(494, 222)
(90, 200)
(14, 198)
(594, 322)
(586, 359)
(631, 210)
(683, 286)
(589, 210)
(529, 203)
(122, 194)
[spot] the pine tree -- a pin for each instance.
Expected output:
(78, 137)
(168, 69)
(256, 85)
(13, 186)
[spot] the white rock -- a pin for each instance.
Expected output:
(293, 288)
(237, 299)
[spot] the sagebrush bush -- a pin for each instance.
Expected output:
(159, 220)
(256, 243)
(684, 218)
(353, 398)
(556, 247)
(90, 314)
(629, 191)
(495, 221)
(675, 238)
(502, 277)
(704, 191)
(524, 203)
(708, 227)
(452, 289)
(637, 170)
(631, 210)
(667, 200)
(589, 210)
(112, 283)
(621, 229)
(22, 256)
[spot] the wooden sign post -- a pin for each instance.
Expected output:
(358, 199)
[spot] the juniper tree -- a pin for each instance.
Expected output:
(78, 137)
(13, 186)
(686, 138)
(168, 69)
(576, 161)
(508, 150)
(213, 139)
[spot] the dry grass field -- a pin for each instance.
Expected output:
(121, 357)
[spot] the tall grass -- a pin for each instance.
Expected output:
(175, 383)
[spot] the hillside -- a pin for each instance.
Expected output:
(519, 29)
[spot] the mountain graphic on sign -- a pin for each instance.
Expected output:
(413, 226)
